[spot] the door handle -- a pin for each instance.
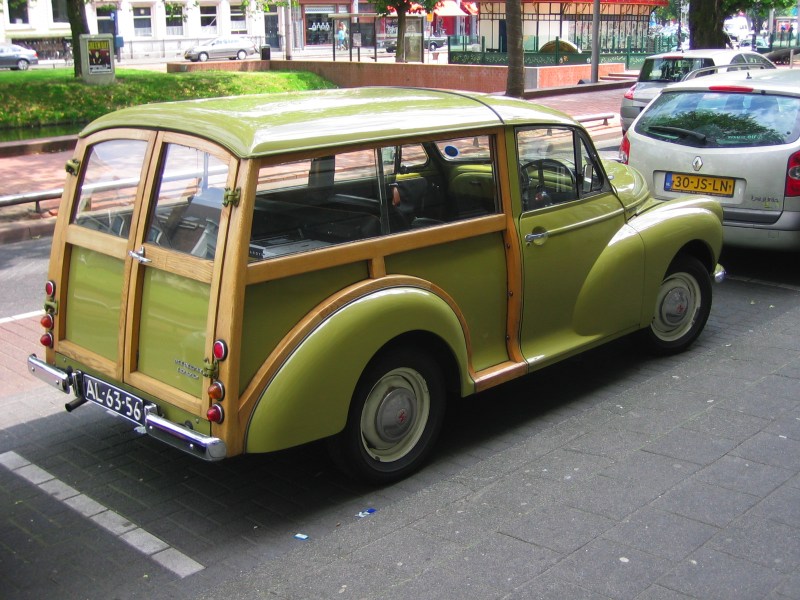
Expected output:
(537, 237)
(139, 255)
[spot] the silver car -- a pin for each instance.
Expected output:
(16, 57)
(660, 70)
(734, 136)
(221, 47)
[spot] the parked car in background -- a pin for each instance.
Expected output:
(660, 70)
(221, 47)
(761, 45)
(735, 136)
(247, 274)
(432, 42)
(17, 58)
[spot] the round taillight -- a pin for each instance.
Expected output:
(46, 340)
(50, 288)
(220, 350)
(215, 413)
(47, 321)
(216, 391)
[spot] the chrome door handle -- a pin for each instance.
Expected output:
(139, 255)
(537, 237)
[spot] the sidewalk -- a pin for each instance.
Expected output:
(45, 171)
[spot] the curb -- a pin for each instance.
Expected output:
(21, 231)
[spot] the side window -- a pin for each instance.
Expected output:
(186, 212)
(590, 174)
(547, 170)
(106, 196)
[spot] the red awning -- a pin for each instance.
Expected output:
(448, 8)
(471, 8)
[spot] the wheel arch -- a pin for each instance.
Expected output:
(309, 396)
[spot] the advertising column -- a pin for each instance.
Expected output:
(97, 58)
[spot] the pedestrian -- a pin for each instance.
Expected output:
(341, 37)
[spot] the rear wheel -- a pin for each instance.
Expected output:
(394, 419)
(241, 55)
(682, 307)
(22, 64)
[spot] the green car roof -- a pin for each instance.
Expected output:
(261, 125)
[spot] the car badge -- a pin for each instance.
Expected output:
(697, 163)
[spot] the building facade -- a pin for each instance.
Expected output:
(163, 28)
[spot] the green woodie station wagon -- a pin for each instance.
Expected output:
(248, 274)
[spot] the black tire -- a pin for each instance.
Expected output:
(395, 416)
(202, 57)
(22, 65)
(681, 309)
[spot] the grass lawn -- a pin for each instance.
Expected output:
(40, 97)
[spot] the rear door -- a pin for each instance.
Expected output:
(139, 283)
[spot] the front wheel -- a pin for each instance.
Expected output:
(682, 307)
(394, 419)
(202, 57)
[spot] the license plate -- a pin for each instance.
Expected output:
(114, 399)
(699, 184)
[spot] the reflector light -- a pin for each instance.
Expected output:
(220, 350)
(625, 149)
(215, 413)
(50, 288)
(793, 175)
(47, 340)
(47, 321)
(629, 93)
(216, 391)
(730, 88)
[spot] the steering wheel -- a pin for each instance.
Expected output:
(539, 196)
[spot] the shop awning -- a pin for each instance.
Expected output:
(470, 7)
(448, 8)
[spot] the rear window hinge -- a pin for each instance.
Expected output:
(51, 306)
(72, 166)
(210, 368)
(231, 196)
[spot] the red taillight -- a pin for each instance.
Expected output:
(50, 288)
(220, 350)
(215, 413)
(216, 391)
(625, 149)
(629, 93)
(730, 88)
(46, 340)
(793, 175)
(47, 321)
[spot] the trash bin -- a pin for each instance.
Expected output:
(265, 52)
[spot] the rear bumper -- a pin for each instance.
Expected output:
(199, 445)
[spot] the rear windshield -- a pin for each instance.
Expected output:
(671, 69)
(706, 119)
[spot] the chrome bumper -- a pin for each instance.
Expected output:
(720, 274)
(197, 444)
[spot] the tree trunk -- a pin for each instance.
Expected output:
(515, 83)
(76, 14)
(400, 52)
(706, 20)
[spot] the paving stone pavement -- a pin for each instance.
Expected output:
(609, 476)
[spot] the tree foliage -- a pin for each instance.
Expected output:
(403, 8)
(707, 18)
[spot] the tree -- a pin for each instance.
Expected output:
(402, 8)
(76, 14)
(515, 84)
(707, 18)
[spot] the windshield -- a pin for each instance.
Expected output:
(707, 119)
(671, 69)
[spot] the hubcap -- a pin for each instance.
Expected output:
(395, 414)
(677, 307)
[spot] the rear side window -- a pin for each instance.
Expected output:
(706, 119)
(670, 70)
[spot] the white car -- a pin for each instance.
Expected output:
(734, 136)
(660, 70)
(221, 47)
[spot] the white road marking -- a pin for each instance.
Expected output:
(136, 537)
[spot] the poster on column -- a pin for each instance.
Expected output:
(100, 52)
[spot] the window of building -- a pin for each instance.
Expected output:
(238, 20)
(142, 21)
(17, 12)
(208, 20)
(175, 18)
(106, 16)
(59, 11)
